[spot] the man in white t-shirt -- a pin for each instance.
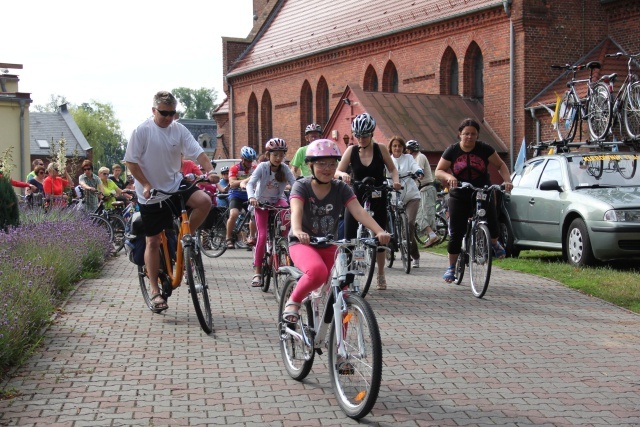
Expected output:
(153, 157)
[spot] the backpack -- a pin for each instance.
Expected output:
(136, 243)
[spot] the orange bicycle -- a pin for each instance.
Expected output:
(187, 263)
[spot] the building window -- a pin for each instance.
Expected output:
(42, 143)
(390, 78)
(370, 83)
(253, 132)
(322, 102)
(449, 73)
(266, 116)
(306, 107)
(474, 73)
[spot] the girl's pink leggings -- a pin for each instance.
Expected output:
(262, 224)
(315, 263)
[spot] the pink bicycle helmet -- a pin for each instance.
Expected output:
(275, 144)
(322, 148)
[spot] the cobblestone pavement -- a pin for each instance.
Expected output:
(530, 352)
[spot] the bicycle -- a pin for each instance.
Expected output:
(355, 348)
(476, 249)
(277, 248)
(117, 223)
(626, 103)
(188, 262)
(212, 236)
(399, 229)
(364, 257)
(575, 109)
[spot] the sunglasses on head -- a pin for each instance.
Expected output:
(165, 113)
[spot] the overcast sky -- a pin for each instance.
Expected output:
(119, 52)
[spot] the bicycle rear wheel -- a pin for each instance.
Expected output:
(569, 117)
(631, 112)
(282, 258)
(356, 376)
(404, 241)
(599, 111)
(460, 265)
(198, 288)
(480, 260)
(118, 226)
(421, 235)
(145, 285)
(213, 240)
(442, 227)
(297, 356)
(265, 279)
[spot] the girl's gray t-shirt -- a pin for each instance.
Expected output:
(320, 217)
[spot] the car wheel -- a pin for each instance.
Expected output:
(579, 251)
(507, 238)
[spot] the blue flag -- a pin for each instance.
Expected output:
(522, 156)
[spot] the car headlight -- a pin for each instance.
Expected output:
(622, 215)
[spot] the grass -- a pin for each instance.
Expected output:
(615, 282)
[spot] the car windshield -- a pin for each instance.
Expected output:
(604, 170)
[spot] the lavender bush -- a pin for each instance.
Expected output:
(39, 262)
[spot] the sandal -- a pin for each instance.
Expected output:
(256, 281)
(230, 244)
(498, 251)
(450, 274)
(250, 241)
(291, 316)
(160, 305)
(382, 282)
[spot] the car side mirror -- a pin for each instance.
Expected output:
(550, 186)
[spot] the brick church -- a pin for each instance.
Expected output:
(418, 66)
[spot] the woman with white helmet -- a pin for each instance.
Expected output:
(316, 203)
(266, 185)
(368, 158)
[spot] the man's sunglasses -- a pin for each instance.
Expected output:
(165, 113)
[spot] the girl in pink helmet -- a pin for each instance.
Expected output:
(267, 185)
(316, 203)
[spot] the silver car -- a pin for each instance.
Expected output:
(585, 204)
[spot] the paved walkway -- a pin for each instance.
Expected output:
(530, 353)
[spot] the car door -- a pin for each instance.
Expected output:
(546, 207)
(517, 202)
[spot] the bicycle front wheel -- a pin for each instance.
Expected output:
(198, 288)
(368, 263)
(569, 117)
(103, 224)
(265, 280)
(632, 111)
(480, 260)
(599, 111)
(404, 241)
(442, 227)
(213, 240)
(461, 263)
(282, 258)
(296, 354)
(356, 375)
(118, 226)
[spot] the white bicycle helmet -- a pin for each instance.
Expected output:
(363, 124)
(313, 127)
(413, 145)
(248, 153)
(224, 169)
(275, 144)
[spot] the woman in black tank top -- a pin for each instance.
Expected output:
(368, 158)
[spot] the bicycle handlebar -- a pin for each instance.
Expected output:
(199, 179)
(499, 187)
(328, 240)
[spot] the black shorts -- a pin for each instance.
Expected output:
(238, 204)
(159, 216)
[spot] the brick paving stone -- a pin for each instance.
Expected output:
(531, 352)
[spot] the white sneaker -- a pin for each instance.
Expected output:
(416, 263)
(432, 241)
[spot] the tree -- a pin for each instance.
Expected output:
(98, 124)
(198, 103)
(52, 105)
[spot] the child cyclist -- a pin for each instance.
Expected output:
(266, 185)
(316, 203)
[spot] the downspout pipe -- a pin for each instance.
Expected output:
(507, 9)
(22, 107)
(538, 126)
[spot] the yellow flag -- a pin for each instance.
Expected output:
(556, 114)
